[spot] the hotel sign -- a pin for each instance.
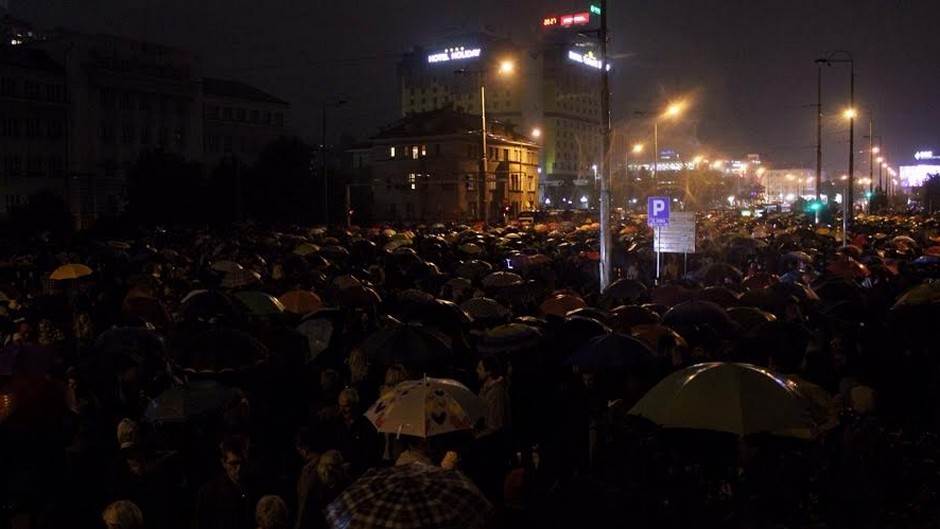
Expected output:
(454, 54)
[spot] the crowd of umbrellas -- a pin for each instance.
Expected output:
(203, 317)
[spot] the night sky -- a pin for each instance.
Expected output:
(747, 64)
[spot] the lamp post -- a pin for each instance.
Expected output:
(842, 56)
(506, 67)
(326, 182)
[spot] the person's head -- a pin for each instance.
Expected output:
(234, 453)
(489, 368)
(329, 381)
(308, 444)
(395, 374)
(271, 513)
(358, 365)
(128, 433)
(331, 469)
(348, 403)
(123, 514)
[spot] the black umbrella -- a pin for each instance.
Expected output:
(625, 291)
(219, 351)
(414, 345)
(626, 316)
(696, 313)
(612, 351)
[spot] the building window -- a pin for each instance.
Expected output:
(55, 129)
(254, 116)
(31, 90)
(391, 151)
(505, 155)
(127, 133)
(412, 181)
(34, 165)
(227, 144)
(32, 128)
(227, 113)
(414, 152)
(424, 151)
(212, 112)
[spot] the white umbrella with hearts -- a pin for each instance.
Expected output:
(427, 407)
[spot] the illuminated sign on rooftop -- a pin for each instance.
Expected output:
(586, 58)
(454, 54)
(925, 155)
(566, 21)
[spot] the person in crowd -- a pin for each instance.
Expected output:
(354, 435)
(122, 514)
(494, 391)
(308, 448)
(271, 513)
(228, 501)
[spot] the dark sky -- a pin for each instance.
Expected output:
(747, 64)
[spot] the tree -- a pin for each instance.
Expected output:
(164, 188)
(280, 187)
(931, 193)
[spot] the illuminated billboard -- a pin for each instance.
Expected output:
(566, 21)
(586, 58)
(454, 54)
(914, 175)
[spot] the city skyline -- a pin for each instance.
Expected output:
(748, 67)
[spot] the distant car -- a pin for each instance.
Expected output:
(526, 218)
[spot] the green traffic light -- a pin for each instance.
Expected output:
(596, 10)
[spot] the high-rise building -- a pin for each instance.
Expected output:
(552, 94)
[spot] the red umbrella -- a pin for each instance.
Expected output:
(561, 304)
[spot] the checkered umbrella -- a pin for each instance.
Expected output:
(414, 496)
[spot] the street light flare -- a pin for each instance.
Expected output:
(850, 113)
(536, 132)
(674, 109)
(637, 148)
(875, 150)
(507, 67)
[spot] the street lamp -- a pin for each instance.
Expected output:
(536, 132)
(674, 110)
(637, 148)
(506, 67)
(842, 56)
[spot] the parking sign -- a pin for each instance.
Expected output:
(657, 211)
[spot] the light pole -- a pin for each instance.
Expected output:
(506, 67)
(326, 182)
(842, 56)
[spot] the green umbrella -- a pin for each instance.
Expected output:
(259, 303)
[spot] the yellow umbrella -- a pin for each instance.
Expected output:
(70, 271)
(726, 397)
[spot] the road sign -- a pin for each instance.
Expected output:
(678, 236)
(657, 211)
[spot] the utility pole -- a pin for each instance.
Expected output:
(605, 261)
(850, 203)
(484, 192)
(323, 155)
(818, 132)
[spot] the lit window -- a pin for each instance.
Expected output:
(412, 181)
(414, 152)
(424, 150)
(391, 152)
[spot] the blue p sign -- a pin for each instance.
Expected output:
(657, 211)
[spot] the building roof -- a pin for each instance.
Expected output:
(30, 58)
(446, 121)
(238, 90)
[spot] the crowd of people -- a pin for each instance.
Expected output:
(219, 378)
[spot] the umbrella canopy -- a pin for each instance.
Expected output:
(473, 269)
(300, 301)
(612, 351)
(502, 280)
(70, 271)
(358, 297)
(320, 329)
(484, 309)
(240, 278)
(414, 496)
(146, 309)
(424, 408)
(625, 290)
(413, 345)
(652, 335)
(306, 248)
(226, 267)
(219, 351)
(259, 303)
(195, 399)
(138, 345)
(727, 397)
(719, 295)
(693, 313)
(509, 337)
(626, 316)
(750, 317)
(720, 274)
(924, 294)
(561, 304)
(206, 305)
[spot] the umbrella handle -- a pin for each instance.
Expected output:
(398, 435)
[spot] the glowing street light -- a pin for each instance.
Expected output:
(850, 113)
(844, 177)
(536, 132)
(674, 110)
(637, 148)
(879, 159)
(875, 150)
(760, 171)
(507, 67)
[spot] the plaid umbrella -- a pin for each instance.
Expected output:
(411, 496)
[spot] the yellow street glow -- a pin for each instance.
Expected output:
(637, 148)
(850, 113)
(506, 67)
(536, 132)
